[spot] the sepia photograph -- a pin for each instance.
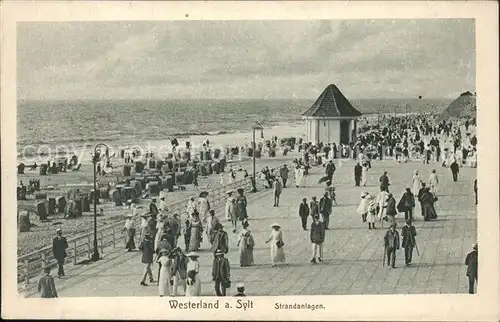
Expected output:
(195, 159)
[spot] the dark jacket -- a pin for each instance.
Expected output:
(284, 173)
(330, 169)
(455, 168)
(146, 247)
(317, 232)
(391, 239)
(471, 262)
(152, 226)
(59, 246)
(407, 202)
(325, 205)
(304, 210)
(384, 182)
(314, 208)
(421, 193)
(475, 185)
(221, 269)
(408, 233)
(358, 170)
(221, 242)
(391, 207)
(46, 287)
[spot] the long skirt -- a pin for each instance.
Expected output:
(194, 240)
(364, 178)
(246, 255)
(164, 281)
(195, 288)
(178, 281)
(429, 212)
(370, 217)
(277, 254)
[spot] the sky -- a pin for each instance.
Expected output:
(245, 59)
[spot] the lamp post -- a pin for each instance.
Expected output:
(95, 256)
(257, 126)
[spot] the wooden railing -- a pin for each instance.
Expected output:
(81, 247)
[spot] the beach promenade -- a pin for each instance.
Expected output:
(352, 253)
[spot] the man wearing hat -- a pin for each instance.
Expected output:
(304, 212)
(471, 262)
(391, 244)
(240, 288)
(147, 249)
(46, 285)
(330, 170)
(391, 208)
(152, 225)
(221, 273)
(325, 208)
(408, 232)
(314, 206)
(384, 182)
(317, 239)
(59, 246)
(219, 239)
(358, 169)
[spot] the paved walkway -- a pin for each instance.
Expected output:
(352, 253)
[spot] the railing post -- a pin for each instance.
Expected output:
(89, 248)
(44, 260)
(114, 237)
(26, 271)
(74, 252)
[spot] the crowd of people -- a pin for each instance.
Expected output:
(401, 138)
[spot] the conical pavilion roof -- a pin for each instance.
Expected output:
(332, 103)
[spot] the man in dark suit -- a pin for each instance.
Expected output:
(471, 262)
(358, 169)
(391, 211)
(408, 233)
(391, 244)
(284, 174)
(455, 168)
(59, 246)
(304, 213)
(325, 209)
(330, 170)
(384, 182)
(221, 273)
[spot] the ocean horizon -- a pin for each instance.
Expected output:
(80, 123)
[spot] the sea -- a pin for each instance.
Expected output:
(55, 128)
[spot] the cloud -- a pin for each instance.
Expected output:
(245, 58)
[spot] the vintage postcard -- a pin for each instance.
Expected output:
(250, 160)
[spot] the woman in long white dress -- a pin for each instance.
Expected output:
(364, 174)
(416, 183)
(382, 204)
(433, 183)
(203, 207)
(300, 177)
(193, 275)
(164, 286)
(277, 250)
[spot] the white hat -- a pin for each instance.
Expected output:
(130, 215)
(229, 191)
(240, 285)
(275, 225)
(364, 194)
(193, 254)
